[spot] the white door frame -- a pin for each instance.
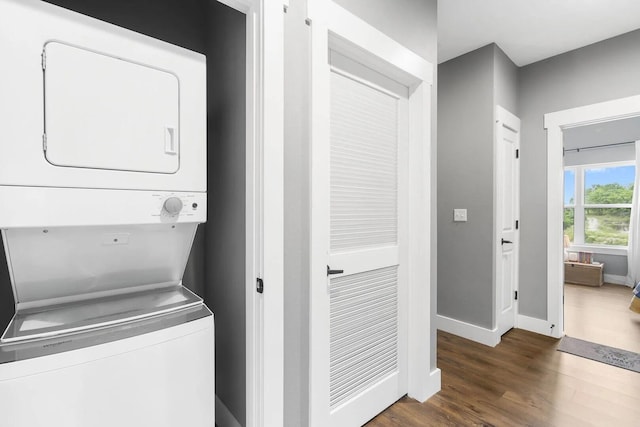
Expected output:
(555, 123)
(505, 117)
(264, 210)
(332, 26)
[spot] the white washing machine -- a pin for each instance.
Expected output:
(102, 188)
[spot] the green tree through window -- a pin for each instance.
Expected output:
(603, 204)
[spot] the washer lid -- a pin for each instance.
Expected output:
(56, 265)
(74, 317)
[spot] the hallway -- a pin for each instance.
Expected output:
(522, 381)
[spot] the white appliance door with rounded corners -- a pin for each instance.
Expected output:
(104, 112)
(123, 110)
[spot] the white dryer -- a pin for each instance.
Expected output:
(102, 188)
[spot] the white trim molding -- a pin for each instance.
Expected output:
(472, 332)
(264, 212)
(555, 123)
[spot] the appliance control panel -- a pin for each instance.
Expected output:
(79, 206)
(172, 206)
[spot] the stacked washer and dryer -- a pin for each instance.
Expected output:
(102, 188)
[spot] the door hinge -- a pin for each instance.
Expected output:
(517, 224)
(44, 60)
(259, 285)
(517, 153)
(44, 142)
(516, 295)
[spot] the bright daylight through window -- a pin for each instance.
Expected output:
(597, 203)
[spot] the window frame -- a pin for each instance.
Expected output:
(579, 207)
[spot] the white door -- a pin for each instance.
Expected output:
(365, 211)
(367, 345)
(507, 213)
(370, 218)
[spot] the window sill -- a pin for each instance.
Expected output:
(597, 249)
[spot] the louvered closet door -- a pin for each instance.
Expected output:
(366, 310)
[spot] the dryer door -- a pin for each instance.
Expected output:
(104, 112)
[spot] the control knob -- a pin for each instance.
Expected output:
(173, 205)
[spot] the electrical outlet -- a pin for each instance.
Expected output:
(460, 215)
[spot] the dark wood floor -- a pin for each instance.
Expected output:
(523, 381)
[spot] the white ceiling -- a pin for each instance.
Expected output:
(531, 30)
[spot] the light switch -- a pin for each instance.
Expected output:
(460, 215)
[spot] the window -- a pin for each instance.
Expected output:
(569, 201)
(597, 203)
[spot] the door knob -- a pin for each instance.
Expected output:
(506, 241)
(330, 271)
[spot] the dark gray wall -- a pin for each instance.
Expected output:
(600, 72)
(465, 180)
(225, 229)
(179, 22)
(6, 293)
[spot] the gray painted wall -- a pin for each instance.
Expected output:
(596, 73)
(470, 87)
(613, 264)
(410, 22)
(505, 81)
(465, 180)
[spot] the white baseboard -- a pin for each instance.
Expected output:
(476, 333)
(434, 386)
(531, 324)
(616, 280)
(224, 417)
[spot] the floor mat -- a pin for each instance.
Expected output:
(601, 353)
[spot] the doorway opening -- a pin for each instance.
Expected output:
(599, 175)
(557, 124)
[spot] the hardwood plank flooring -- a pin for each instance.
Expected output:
(524, 381)
(602, 315)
